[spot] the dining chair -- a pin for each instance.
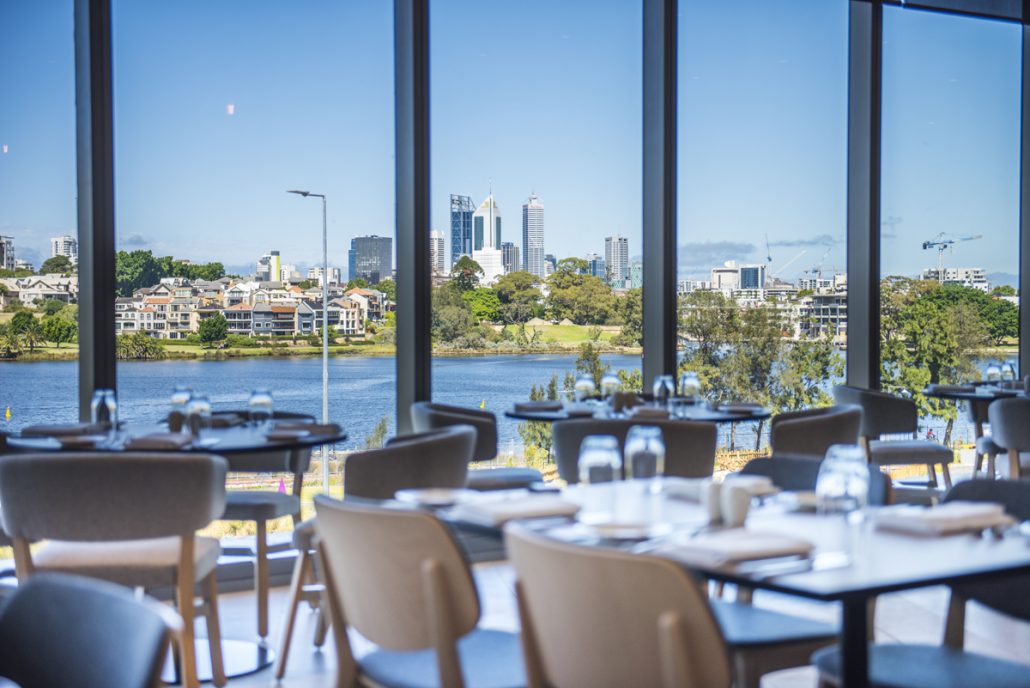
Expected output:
(689, 445)
(668, 632)
(949, 665)
(985, 447)
(1010, 432)
(885, 414)
(438, 458)
(128, 518)
(397, 577)
(426, 415)
(810, 432)
(800, 474)
(45, 640)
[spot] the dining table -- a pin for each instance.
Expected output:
(971, 392)
(701, 412)
(852, 561)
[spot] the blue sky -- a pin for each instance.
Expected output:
(533, 95)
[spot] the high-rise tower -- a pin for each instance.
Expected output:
(486, 239)
(436, 259)
(461, 227)
(533, 236)
(616, 258)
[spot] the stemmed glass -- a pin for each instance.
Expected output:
(609, 386)
(104, 412)
(1008, 371)
(181, 396)
(664, 389)
(260, 407)
(198, 413)
(584, 387)
(992, 374)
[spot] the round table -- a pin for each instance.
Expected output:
(699, 413)
(980, 393)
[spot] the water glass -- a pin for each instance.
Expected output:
(645, 453)
(1008, 371)
(198, 414)
(992, 374)
(103, 410)
(180, 397)
(584, 387)
(690, 385)
(599, 460)
(664, 389)
(609, 385)
(843, 483)
(260, 407)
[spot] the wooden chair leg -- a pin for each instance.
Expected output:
(261, 578)
(1014, 464)
(946, 474)
(932, 475)
(214, 630)
(321, 626)
(300, 571)
(992, 470)
(185, 581)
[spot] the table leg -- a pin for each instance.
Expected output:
(854, 643)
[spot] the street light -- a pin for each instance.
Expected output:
(325, 333)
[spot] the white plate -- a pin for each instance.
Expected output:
(616, 530)
(281, 434)
(433, 496)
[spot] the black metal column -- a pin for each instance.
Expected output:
(95, 173)
(414, 301)
(865, 85)
(659, 197)
(1024, 200)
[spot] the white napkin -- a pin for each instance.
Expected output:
(160, 440)
(953, 517)
(756, 485)
(950, 388)
(489, 511)
(649, 412)
(689, 489)
(735, 546)
(541, 405)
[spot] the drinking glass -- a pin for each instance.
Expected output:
(645, 453)
(260, 407)
(843, 483)
(198, 413)
(584, 387)
(690, 385)
(1008, 371)
(104, 409)
(664, 389)
(180, 397)
(992, 374)
(609, 385)
(599, 460)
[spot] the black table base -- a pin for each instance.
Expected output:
(239, 657)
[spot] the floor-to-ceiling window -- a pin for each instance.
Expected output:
(536, 201)
(950, 203)
(762, 288)
(38, 225)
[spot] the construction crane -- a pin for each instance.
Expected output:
(817, 269)
(942, 242)
(768, 251)
(779, 270)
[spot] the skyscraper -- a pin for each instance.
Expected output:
(6, 252)
(461, 227)
(370, 258)
(67, 246)
(616, 258)
(269, 267)
(436, 253)
(510, 257)
(486, 239)
(533, 236)
(596, 266)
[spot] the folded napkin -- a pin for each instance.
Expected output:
(740, 407)
(689, 489)
(542, 405)
(952, 517)
(622, 401)
(755, 484)
(948, 389)
(489, 511)
(160, 440)
(735, 546)
(225, 420)
(649, 412)
(580, 410)
(61, 430)
(295, 424)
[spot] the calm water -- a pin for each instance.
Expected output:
(361, 390)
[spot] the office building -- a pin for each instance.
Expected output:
(315, 273)
(596, 266)
(436, 251)
(533, 236)
(6, 252)
(269, 267)
(510, 257)
(461, 227)
(636, 275)
(486, 240)
(370, 258)
(616, 258)
(752, 276)
(67, 246)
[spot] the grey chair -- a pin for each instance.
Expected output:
(810, 432)
(438, 458)
(689, 446)
(885, 414)
(397, 577)
(800, 473)
(668, 633)
(986, 449)
(46, 640)
(126, 518)
(948, 665)
(426, 415)
(1010, 432)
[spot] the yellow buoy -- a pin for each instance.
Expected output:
(482, 404)
(8, 414)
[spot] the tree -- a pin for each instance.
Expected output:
(465, 274)
(58, 330)
(32, 335)
(57, 264)
(631, 309)
(1003, 290)
(138, 346)
(518, 294)
(52, 307)
(377, 438)
(451, 323)
(213, 329)
(589, 363)
(708, 320)
(582, 298)
(388, 287)
(359, 283)
(135, 270)
(22, 321)
(483, 303)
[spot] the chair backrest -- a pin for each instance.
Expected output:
(812, 431)
(689, 446)
(800, 474)
(599, 617)
(882, 413)
(94, 497)
(61, 630)
(379, 560)
(1010, 423)
(426, 415)
(1009, 596)
(438, 458)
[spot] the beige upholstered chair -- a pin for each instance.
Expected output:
(438, 458)
(689, 446)
(667, 634)
(397, 577)
(810, 432)
(1010, 432)
(127, 518)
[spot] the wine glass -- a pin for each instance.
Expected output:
(992, 374)
(180, 397)
(690, 385)
(198, 413)
(610, 385)
(104, 412)
(664, 389)
(260, 407)
(843, 483)
(584, 387)
(645, 453)
(1008, 371)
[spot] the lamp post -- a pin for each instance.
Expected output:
(325, 332)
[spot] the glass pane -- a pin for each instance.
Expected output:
(219, 268)
(950, 236)
(38, 223)
(762, 176)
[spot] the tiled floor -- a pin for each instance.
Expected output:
(914, 617)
